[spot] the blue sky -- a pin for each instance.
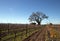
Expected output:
(18, 11)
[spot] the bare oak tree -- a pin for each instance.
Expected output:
(37, 17)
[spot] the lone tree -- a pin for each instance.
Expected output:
(37, 17)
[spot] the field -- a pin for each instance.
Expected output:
(26, 32)
(48, 33)
(16, 32)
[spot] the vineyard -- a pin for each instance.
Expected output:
(16, 32)
(25, 32)
(48, 33)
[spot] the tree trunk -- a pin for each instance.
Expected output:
(38, 23)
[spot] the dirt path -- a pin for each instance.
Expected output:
(37, 36)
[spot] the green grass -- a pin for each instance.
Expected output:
(20, 35)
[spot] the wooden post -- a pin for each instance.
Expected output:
(22, 36)
(26, 30)
(0, 34)
(29, 31)
(8, 28)
(15, 36)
